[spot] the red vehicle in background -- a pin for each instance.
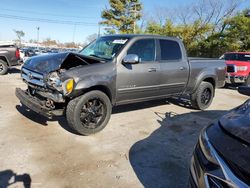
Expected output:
(238, 67)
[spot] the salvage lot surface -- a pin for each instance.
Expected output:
(147, 144)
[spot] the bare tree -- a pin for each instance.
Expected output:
(161, 15)
(207, 11)
(145, 18)
(19, 35)
(91, 38)
(215, 11)
(184, 14)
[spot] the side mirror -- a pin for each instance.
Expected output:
(244, 90)
(131, 59)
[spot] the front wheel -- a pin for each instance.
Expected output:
(203, 96)
(89, 113)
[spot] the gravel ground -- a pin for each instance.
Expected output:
(144, 145)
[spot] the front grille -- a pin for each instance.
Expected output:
(32, 77)
(231, 68)
(243, 174)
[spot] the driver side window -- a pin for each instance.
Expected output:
(145, 49)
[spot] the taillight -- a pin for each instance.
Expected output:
(17, 53)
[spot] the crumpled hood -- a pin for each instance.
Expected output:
(237, 122)
(45, 63)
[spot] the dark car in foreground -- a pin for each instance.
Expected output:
(115, 70)
(222, 155)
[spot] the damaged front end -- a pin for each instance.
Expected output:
(48, 87)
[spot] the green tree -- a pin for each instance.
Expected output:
(122, 15)
(234, 35)
(190, 34)
(238, 29)
(19, 35)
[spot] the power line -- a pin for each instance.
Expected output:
(49, 14)
(47, 20)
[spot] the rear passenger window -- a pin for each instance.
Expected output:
(170, 50)
(144, 48)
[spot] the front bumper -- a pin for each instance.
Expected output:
(36, 105)
(235, 79)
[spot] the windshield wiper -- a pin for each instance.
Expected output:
(102, 58)
(93, 55)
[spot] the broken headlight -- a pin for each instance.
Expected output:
(53, 80)
(65, 87)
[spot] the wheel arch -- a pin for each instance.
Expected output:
(208, 78)
(101, 88)
(2, 57)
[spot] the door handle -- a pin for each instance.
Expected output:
(152, 70)
(182, 68)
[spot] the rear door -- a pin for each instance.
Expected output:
(174, 69)
(139, 81)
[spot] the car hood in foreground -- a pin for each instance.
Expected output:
(45, 63)
(48, 63)
(237, 122)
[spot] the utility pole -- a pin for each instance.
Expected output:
(74, 32)
(135, 18)
(38, 28)
(99, 29)
(135, 14)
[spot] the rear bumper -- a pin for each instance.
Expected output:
(235, 79)
(36, 105)
(15, 62)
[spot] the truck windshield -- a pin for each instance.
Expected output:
(237, 57)
(105, 47)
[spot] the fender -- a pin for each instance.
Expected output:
(104, 83)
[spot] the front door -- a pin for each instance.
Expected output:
(139, 81)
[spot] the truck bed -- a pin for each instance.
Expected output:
(205, 66)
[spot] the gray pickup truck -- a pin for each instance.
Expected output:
(115, 70)
(9, 56)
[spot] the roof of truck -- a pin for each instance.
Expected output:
(237, 53)
(140, 35)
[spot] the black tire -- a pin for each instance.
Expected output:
(89, 113)
(3, 67)
(203, 96)
(247, 83)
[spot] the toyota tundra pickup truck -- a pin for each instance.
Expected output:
(238, 67)
(9, 56)
(115, 70)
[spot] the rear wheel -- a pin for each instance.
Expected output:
(3, 67)
(89, 113)
(203, 96)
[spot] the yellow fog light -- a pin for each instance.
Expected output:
(69, 86)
